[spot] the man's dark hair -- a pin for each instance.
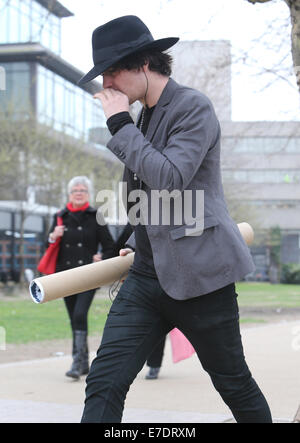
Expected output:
(160, 62)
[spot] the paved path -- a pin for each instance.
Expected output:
(37, 391)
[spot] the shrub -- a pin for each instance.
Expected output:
(290, 273)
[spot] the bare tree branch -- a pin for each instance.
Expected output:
(258, 1)
(294, 7)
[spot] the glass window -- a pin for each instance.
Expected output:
(15, 66)
(33, 223)
(45, 35)
(49, 97)
(88, 118)
(66, 107)
(5, 220)
(14, 25)
(55, 44)
(79, 112)
(14, 4)
(17, 93)
(69, 109)
(41, 94)
(20, 93)
(39, 20)
(35, 32)
(27, 20)
(3, 24)
(36, 11)
(261, 176)
(262, 144)
(24, 28)
(56, 34)
(59, 100)
(24, 6)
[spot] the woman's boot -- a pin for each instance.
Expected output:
(85, 366)
(79, 349)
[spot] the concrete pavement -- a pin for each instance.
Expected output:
(38, 392)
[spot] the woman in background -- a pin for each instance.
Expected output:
(81, 238)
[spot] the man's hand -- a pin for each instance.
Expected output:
(125, 251)
(122, 253)
(113, 101)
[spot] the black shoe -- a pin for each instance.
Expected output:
(152, 374)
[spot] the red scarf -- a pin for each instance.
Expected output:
(82, 208)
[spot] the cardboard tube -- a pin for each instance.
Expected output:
(94, 275)
(247, 232)
(76, 280)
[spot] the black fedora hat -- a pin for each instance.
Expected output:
(118, 38)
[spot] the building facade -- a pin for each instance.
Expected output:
(261, 169)
(260, 159)
(36, 80)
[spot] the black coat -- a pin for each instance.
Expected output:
(82, 238)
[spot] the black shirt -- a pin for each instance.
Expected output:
(143, 259)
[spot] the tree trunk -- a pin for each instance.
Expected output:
(21, 250)
(294, 6)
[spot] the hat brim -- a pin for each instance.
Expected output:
(162, 45)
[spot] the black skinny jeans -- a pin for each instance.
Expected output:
(78, 306)
(141, 315)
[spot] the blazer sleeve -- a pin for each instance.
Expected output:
(131, 242)
(106, 241)
(122, 240)
(193, 130)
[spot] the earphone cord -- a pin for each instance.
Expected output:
(146, 89)
(140, 126)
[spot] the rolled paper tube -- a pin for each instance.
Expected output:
(94, 275)
(80, 279)
(246, 232)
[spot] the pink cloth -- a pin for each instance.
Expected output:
(181, 347)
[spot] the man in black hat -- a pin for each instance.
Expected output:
(184, 271)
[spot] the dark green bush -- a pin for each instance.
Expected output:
(290, 273)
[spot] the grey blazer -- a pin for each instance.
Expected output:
(181, 151)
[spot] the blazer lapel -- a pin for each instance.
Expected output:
(161, 108)
(157, 116)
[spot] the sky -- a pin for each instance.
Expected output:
(259, 36)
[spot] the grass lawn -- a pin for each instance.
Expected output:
(267, 295)
(24, 321)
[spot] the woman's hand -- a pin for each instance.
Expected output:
(97, 257)
(58, 232)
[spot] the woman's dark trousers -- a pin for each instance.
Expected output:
(141, 315)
